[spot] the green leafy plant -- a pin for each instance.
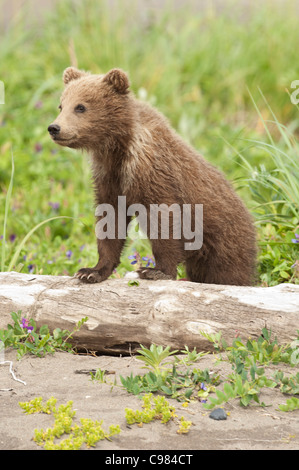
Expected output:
(279, 254)
(36, 405)
(99, 376)
(156, 408)
(89, 432)
(156, 378)
(153, 408)
(135, 384)
(245, 383)
(184, 426)
(291, 405)
(176, 381)
(190, 356)
(176, 384)
(185, 384)
(138, 384)
(216, 339)
(154, 356)
(248, 377)
(246, 391)
(23, 336)
(133, 283)
(264, 350)
(287, 384)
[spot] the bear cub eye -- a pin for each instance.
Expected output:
(80, 108)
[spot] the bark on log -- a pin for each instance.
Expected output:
(161, 312)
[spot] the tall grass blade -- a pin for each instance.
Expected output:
(7, 204)
(25, 239)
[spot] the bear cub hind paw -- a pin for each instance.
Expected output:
(153, 274)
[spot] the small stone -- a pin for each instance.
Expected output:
(218, 414)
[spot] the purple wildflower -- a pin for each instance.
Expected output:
(69, 253)
(135, 257)
(38, 147)
(25, 324)
(55, 205)
(31, 268)
(38, 104)
(149, 261)
(202, 386)
(296, 240)
(12, 237)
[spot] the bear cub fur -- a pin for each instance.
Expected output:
(136, 154)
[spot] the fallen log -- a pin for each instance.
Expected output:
(121, 317)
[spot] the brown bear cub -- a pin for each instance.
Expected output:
(137, 155)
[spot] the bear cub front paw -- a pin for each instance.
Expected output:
(89, 275)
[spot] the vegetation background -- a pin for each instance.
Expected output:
(221, 71)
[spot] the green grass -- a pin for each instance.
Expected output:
(204, 71)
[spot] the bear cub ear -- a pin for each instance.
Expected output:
(119, 80)
(71, 73)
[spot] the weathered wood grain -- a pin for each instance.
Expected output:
(173, 313)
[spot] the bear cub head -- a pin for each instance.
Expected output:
(94, 109)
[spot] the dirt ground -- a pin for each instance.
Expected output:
(251, 428)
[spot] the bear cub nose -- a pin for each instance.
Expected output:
(54, 129)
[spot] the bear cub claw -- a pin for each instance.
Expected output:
(89, 275)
